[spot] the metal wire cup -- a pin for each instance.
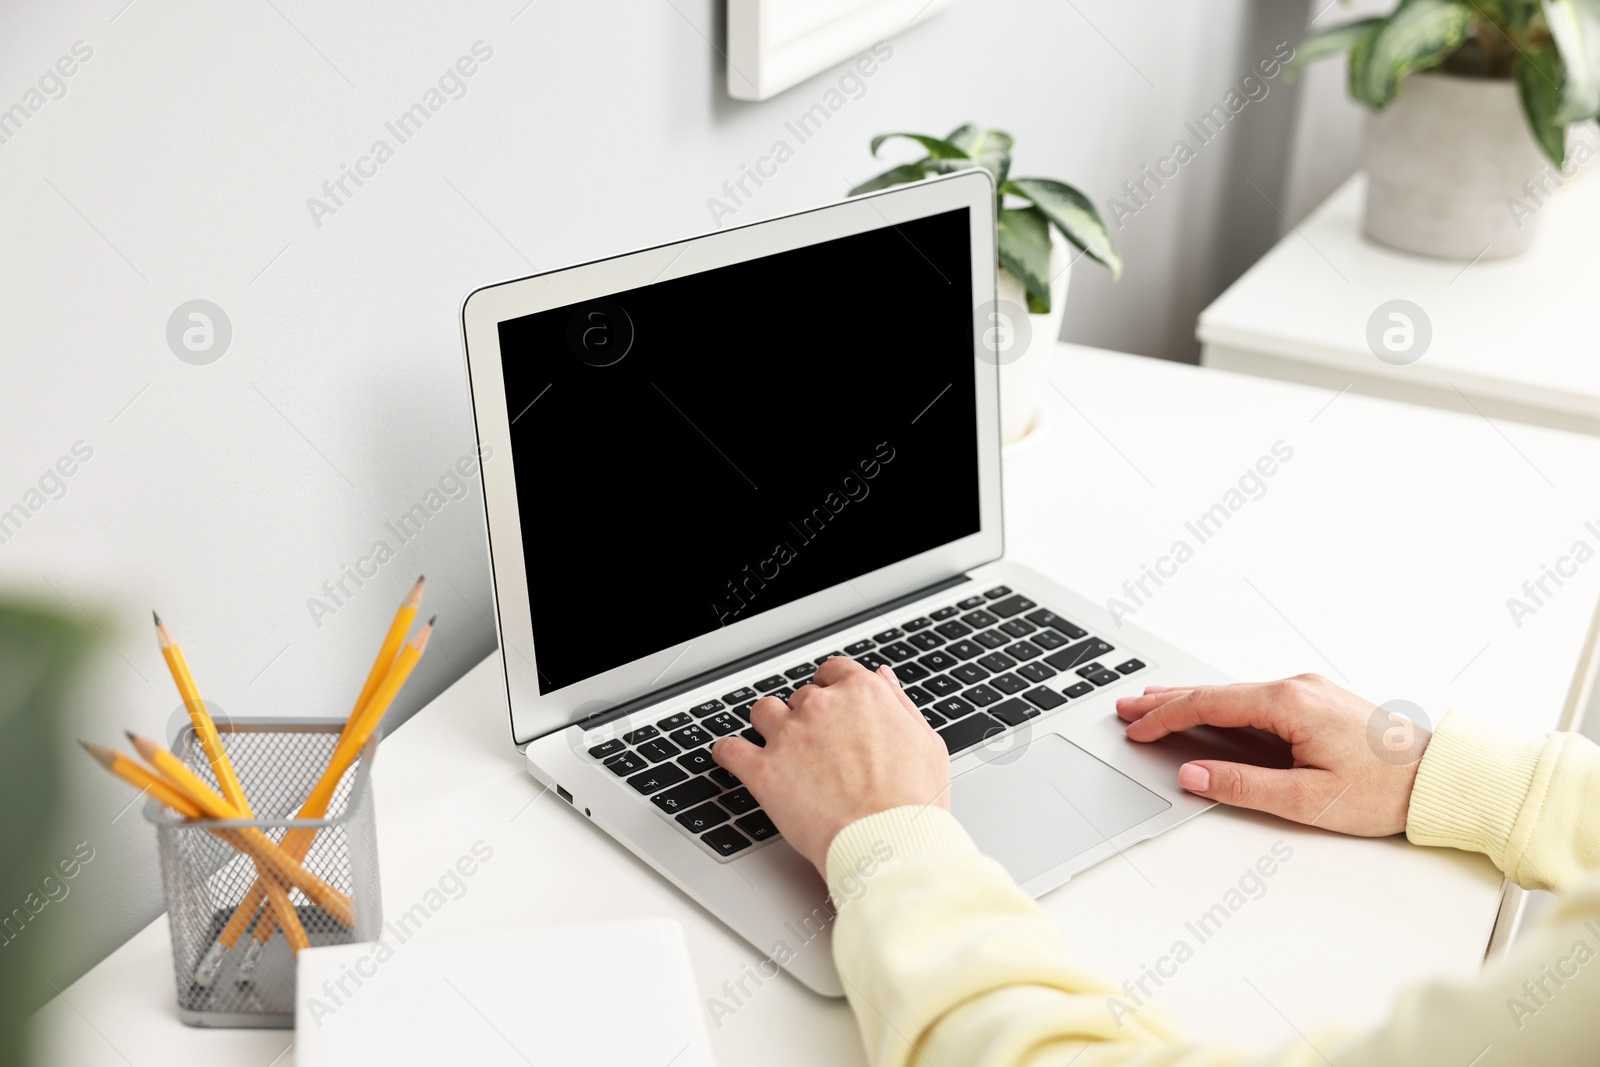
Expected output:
(251, 982)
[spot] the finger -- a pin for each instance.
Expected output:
(740, 757)
(1130, 709)
(837, 670)
(886, 672)
(805, 692)
(767, 715)
(1266, 706)
(1299, 795)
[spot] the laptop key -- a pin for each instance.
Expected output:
(980, 695)
(1014, 712)
(1048, 618)
(997, 662)
(871, 661)
(757, 825)
(921, 622)
(920, 697)
(942, 686)
(1130, 666)
(697, 762)
(1048, 640)
(927, 642)
(699, 820)
(964, 649)
(969, 731)
(743, 710)
(625, 764)
(690, 737)
(767, 684)
(1015, 604)
(910, 672)
(685, 796)
(952, 630)
(722, 724)
(1008, 684)
(968, 674)
(897, 652)
(1045, 698)
(943, 614)
(643, 733)
(970, 603)
(609, 748)
(979, 619)
(953, 707)
(858, 648)
(1022, 650)
(938, 661)
(801, 673)
(888, 635)
(991, 639)
(658, 778)
(739, 801)
(997, 592)
(742, 695)
(782, 694)
(1018, 627)
(710, 707)
(934, 719)
(1036, 672)
(1084, 672)
(1104, 677)
(752, 735)
(725, 840)
(724, 777)
(672, 722)
(658, 750)
(1078, 689)
(1073, 655)
(820, 660)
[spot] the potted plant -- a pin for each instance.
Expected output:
(1038, 218)
(1465, 94)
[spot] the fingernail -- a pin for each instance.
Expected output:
(1194, 777)
(888, 672)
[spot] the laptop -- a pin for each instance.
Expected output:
(710, 466)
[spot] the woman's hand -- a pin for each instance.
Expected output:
(848, 745)
(1354, 763)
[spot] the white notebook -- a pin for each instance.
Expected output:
(595, 994)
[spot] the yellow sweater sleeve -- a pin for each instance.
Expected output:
(948, 964)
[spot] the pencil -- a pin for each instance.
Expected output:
(257, 844)
(360, 727)
(204, 728)
(163, 791)
(403, 618)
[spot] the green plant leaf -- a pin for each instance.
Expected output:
(936, 148)
(1418, 36)
(1575, 28)
(948, 166)
(991, 148)
(1073, 215)
(1329, 42)
(1025, 250)
(906, 172)
(1538, 75)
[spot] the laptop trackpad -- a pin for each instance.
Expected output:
(1036, 807)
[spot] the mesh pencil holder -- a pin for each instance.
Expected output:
(246, 979)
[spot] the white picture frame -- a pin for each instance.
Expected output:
(774, 44)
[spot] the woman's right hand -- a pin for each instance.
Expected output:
(1354, 763)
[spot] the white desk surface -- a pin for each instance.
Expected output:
(1382, 555)
(1518, 331)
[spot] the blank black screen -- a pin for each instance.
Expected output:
(700, 450)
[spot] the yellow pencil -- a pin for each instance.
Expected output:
(149, 782)
(403, 618)
(360, 727)
(257, 844)
(204, 728)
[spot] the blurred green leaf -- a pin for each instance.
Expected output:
(1418, 36)
(991, 149)
(1025, 250)
(1575, 28)
(1538, 76)
(1073, 215)
(1329, 42)
(936, 148)
(906, 172)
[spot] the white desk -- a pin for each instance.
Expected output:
(1517, 336)
(1388, 544)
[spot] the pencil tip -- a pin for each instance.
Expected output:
(156, 617)
(102, 755)
(433, 620)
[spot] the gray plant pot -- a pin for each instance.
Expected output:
(1444, 161)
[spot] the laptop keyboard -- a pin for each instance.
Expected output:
(975, 669)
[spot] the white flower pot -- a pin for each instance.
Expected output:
(1444, 161)
(1026, 357)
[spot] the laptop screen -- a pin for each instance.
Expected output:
(706, 448)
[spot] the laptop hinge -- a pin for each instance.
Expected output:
(667, 692)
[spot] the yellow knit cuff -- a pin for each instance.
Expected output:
(1470, 789)
(895, 836)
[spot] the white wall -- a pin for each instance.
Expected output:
(179, 163)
